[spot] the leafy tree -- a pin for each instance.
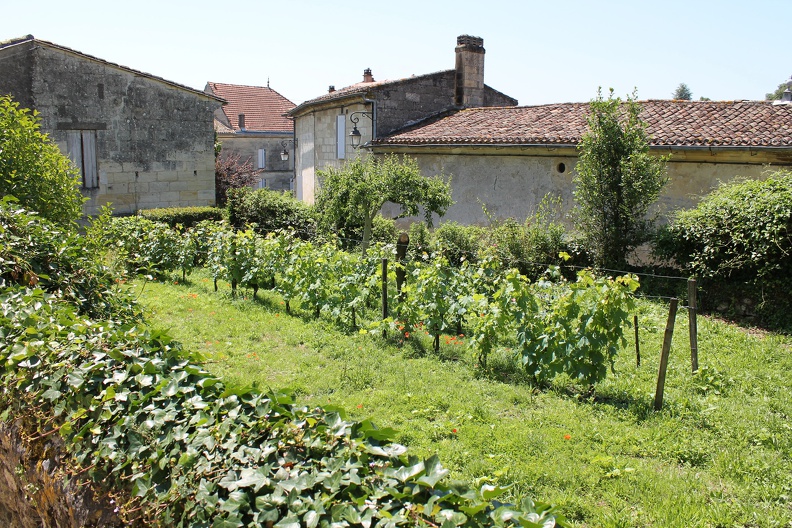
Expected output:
(32, 168)
(232, 172)
(356, 192)
(778, 93)
(617, 180)
(682, 92)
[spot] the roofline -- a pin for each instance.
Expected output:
(31, 38)
(299, 109)
(257, 133)
(672, 148)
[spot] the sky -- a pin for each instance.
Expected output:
(538, 52)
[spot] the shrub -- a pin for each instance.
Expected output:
(33, 170)
(738, 232)
(187, 217)
(270, 211)
(458, 242)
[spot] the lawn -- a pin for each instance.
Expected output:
(718, 454)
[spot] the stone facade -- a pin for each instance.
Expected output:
(512, 182)
(252, 124)
(378, 109)
(151, 141)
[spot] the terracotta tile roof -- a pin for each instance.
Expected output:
(30, 38)
(264, 108)
(669, 123)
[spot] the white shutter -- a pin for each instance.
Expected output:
(262, 159)
(341, 136)
(74, 148)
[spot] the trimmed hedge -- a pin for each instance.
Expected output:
(187, 217)
(270, 211)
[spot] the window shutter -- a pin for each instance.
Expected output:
(90, 176)
(262, 159)
(341, 136)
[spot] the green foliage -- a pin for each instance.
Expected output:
(354, 194)
(183, 216)
(682, 93)
(778, 94)
(270, 211)
(135, 411)
(33, 170)
(617, 181)
(458, 243)
(36, 253)
(740, 231)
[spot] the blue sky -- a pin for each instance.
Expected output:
(539, 52)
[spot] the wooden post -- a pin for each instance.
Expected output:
(693, 323)
(661, 375)
(401, 254)
(384, 293)
(637, 344)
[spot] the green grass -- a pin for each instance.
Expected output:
(718, 454)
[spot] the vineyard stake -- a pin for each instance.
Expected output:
(661, 375)
(401, 254)
(384, 294)
(637, 344)
(693, 324)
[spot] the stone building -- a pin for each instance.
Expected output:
(374, 109)
(253, 125)
(509, 159)
(139, 141)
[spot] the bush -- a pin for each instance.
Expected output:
(529, 247)
(33, 170)
(457, 242)
(270, 211)
(187, 217)
(738, 232)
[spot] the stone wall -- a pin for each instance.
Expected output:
(35, 491)
(278, 173)
(154, 139)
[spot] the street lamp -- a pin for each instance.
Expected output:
(285, 153)
(355, 135)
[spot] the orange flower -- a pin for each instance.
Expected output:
(454, 430)
(567, 437)
(406, 335)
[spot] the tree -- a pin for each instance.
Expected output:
(617, 181)
(32, 168)
(682, 92)
(357, 191)
(231, 172)
(778, 94)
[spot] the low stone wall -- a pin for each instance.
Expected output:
(36, 491)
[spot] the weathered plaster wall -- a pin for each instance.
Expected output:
(512, 186)
(278, 173)
(154, 141)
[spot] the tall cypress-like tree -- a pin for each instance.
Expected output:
(617, 181)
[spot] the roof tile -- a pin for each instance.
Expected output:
(264, 108)
(669, 122)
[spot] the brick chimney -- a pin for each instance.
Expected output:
(367, 77)
(469, 85)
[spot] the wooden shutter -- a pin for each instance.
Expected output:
(262, 159)
(341, 136)
(90, 175)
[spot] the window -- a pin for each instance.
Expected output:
(262, 159)
(81, 145)
(341, 136)
(262, 183)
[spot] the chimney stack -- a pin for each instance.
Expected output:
(469, 85)
(241, 121)
(331, 88)
(367, 77)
